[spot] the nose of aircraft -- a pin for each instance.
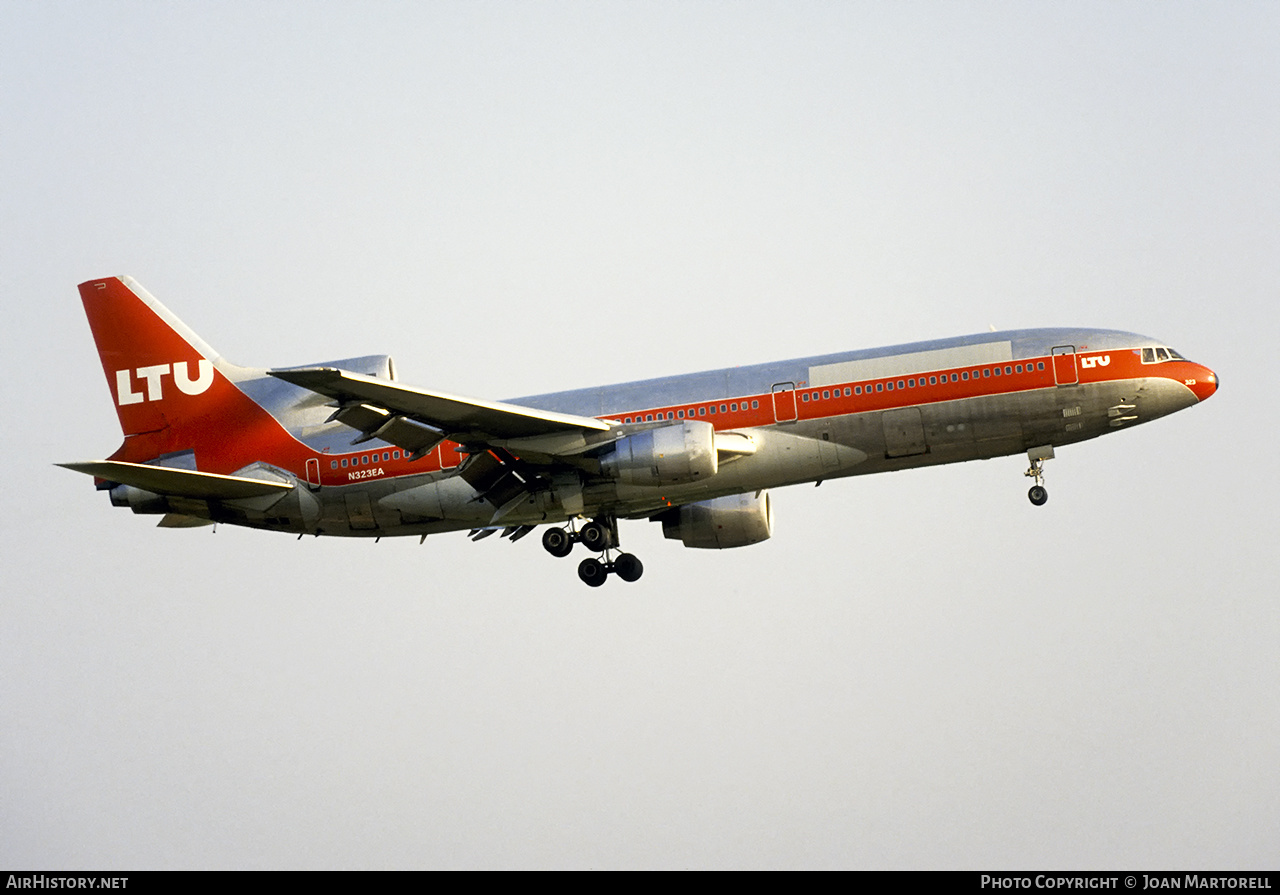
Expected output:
(1204, 384)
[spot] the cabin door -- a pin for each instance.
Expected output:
(784, 402)
(449, 457)
(1064, 365)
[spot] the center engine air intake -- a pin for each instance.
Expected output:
(684, 452)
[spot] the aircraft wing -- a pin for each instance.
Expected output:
(178, 482)
(418, 420)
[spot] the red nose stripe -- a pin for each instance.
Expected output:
(1204, 384)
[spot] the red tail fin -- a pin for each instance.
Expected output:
(171, 390)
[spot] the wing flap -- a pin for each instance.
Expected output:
(179, 482)
(393, 428)
(178, 520)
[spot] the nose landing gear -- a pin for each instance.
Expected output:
(1038, 495)
(599, 536)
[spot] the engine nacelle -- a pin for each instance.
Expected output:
(738, 520)
(684, 452)
(138, 500)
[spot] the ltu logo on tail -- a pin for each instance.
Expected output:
(154, 376)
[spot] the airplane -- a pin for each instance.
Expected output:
(343, 448)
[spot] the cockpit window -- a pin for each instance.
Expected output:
(1159, 355)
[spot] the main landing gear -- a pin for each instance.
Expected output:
(598, 536)
(1038, 495)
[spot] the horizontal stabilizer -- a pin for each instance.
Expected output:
(178, 482)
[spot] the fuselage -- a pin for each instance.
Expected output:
(808, 419)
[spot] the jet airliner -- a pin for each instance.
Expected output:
(343, 448)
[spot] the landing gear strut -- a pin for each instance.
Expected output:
(1038, 495)
(599, 536)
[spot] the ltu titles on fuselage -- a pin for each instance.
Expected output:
(343, 449)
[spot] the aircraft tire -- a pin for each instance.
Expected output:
(557, 542)
(592, 572)
(1038, 495)
(628, 567)
(594, 536)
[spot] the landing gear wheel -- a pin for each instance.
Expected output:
(557, 542)
(627, 567)
(1037, 455)
(594, 536)
(592, 572)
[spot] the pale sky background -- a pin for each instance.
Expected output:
(918, 670)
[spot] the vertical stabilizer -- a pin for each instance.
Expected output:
(171, 390)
